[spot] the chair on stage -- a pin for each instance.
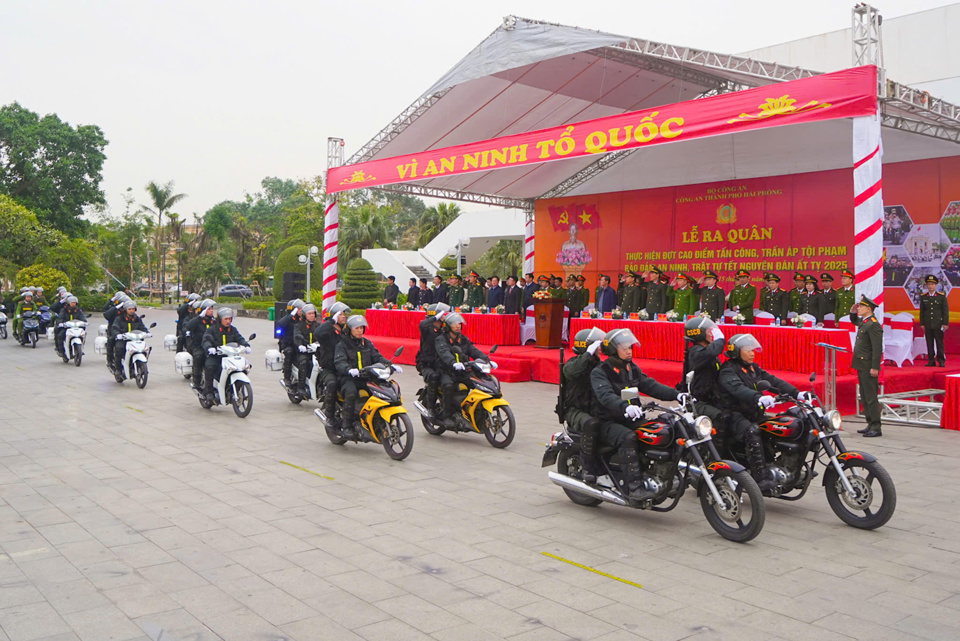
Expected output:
(829, 320)
(898, 338)
(763, 318)
(528, 330)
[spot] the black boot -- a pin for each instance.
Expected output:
(449, 407)
(588, 448)
(430, 399)
(758, 469)
(349, 418)
(873, 432)
(208, 387)
(633, 475)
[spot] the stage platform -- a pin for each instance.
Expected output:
(528, 363)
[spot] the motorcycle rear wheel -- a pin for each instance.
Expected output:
(140, 374)
(501, 427)
(568, 464)
(242, 398)
(397, 437)
(860, 511)
(431, 427)
(3, 332)
(728, 521)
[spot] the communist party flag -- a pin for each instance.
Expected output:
(583, 216)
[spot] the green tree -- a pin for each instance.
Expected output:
(162, 199)
(363, 228)
(218, 221)
(76, 258)
(40, 275)
(204, 272)
(435, 219)
(121, 246)
(22, 236)
(50, 167)
(288, 261)
(503, 259)
(360, 285)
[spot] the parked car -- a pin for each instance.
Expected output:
(235, 289)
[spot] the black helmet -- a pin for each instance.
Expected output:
(741, 341)
(586, 337)
(698, 329)
(357, 321)
(617, 338)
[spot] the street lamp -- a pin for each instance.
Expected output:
(149, 274)
(163, 272)
(308, 261)
(178, 249)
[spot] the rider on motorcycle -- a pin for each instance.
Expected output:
(57, 306)
(110, 314)
(38, 297)
(305, 332)
(578, 400)
(738, 380)
(354, 352)
(704, 345)
(329, 336)
(618, 417)
(454, 350)
(193, 333)
(70, 312)
(25, 305)
(184, 314)
(285, 327)
(430, 328)
(128, 321)
(216, 335)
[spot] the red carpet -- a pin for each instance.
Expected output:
(528, 363)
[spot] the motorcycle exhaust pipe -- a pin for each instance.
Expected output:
(320, 415)
(420, 408)
(694, 470)
(582, 488)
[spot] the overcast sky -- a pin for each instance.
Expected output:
(215, 95)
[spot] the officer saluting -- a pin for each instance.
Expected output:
(934, 318)
(867, 356)
(711, 297)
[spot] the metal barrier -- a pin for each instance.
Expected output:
(829, 399)
(908, 407)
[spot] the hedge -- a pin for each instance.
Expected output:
(40, 275)
(91, 301)
(288, 261)
(360, 285)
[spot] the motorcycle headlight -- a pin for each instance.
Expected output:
(703, 426)
(832, 420)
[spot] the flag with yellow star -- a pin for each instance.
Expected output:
(583, 216)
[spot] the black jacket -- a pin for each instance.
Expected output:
(413, 295)
(440, 294)
(427, 355)
(355, 353)
(110, 314)
(122, 325)
(614, 375)
(812, 304)
(217, 335)
(285, 326)
(738, 388)
(455, 348)
(305, 332)
(194, 330)
(576, 384)
(390, 293)
(528, 291)
(512, 299)
(494, 296)
(67, 315)
(182, 312)
(703, 361)
(328, 337)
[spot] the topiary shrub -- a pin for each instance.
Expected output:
(360, 285)
(39, 275)
(288, 261)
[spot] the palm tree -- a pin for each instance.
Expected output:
(163, 199)
(362, 228)
(435, 219)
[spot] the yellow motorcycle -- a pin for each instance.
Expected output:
(482, 407)
(381, 419)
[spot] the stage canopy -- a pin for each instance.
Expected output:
(530, 76)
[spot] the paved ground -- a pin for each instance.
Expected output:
(135, 514)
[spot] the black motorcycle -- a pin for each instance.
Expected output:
(29, 329)
(671, 448)
(859, 490)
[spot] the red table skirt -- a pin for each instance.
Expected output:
(950, 414)
(784, 348)
(483, 329)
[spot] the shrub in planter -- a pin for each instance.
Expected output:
(360, 285)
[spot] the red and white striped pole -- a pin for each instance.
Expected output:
(868, 209)
(331, 228)
(528, 248)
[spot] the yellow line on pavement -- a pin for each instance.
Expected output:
(133, 408)
(589, 569)
(303, 469)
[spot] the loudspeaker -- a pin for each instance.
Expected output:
(294, 285)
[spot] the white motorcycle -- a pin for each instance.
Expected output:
(73, 340)
(3, 322)
(135, 356)
(232, 385)
(293, 392)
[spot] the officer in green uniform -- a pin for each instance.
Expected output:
(656, 294)
(456, 293)
(578, 298)
(711, 296)
(934, 318)
(686, 298)
(798, 288)
(743, 296)
(776, 301)
(474, 290)
(631, 294)
(846, 295)
(556, 287)
(829, 294)
(867, 356)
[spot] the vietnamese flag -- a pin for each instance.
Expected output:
(583, 216)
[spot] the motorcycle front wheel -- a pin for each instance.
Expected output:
(568, 464)
(140, 374)
(242, 398)
(397, 437)
(500, 427)
(33, 340)
(3, 332)
(743, 512)
(78, 356)
(863, 510)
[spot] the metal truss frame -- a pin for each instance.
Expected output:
(396, 127)
(452, 194)
(931, 129)
(921, 103)
(908, 407)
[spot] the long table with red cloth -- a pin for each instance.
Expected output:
(483, 329)
(950, 414)
(784, 348)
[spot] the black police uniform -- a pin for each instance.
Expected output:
(65, 315)
(329, 337)
(305, 333)
(353, 353)
(184, 313)
(704, 362)
(712, 301)
(812, 303)
(427, 359)
(867, 355)
(285, 329)
(216, 336)
(776, 304)
(453, 348)
(193, 333)
(110, 314)
(934, 315)
(121, 325)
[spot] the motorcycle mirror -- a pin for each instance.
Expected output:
(398, 352)
(813, 377)
(143, 315)
(629, 393)
(494, 349)
(689, 378)
(763, 386)
(252, 336)
(152, 325)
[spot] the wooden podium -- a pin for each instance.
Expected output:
(548, 315)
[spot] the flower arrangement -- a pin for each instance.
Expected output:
(391, 306)
(616, 313)
(377, 306)
(542, 294)
(703, 315)
(798, 320)
(672, 316)
(571, 257)
(483, 309)
(643, 315)
(466, 309)
(409, 306)
(739, 318)
(594, 313)
(501, 309)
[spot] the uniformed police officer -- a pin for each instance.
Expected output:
(867, 356)
(455, 293)
(667, 290)
(656, 294)
(934, 318)
(829, 295)
(474, 290)
(743, 296)
(846, 295)
(686, 298)
(711, 297)
(776, 302)
(811, 302)
(630, 302)
(578, 298)
(799, 282)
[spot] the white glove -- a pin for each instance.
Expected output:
(805, 397)
(594, 346)
(459, 367)
(633, 412)
(717, 334)
(681, 396)
(354, 372)
(249, 349)
(211, 350)
(149, 335)
(493, 364)
(303, 349)
(397, 369)
(767, 402)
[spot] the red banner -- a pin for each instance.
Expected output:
(585, 217)
(844, 94)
